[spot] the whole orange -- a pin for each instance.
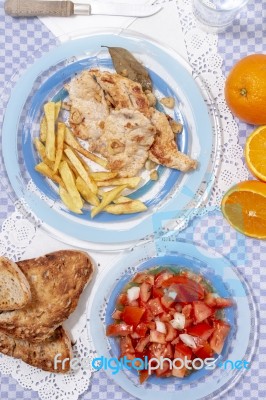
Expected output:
(245, 89)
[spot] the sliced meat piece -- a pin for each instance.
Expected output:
(122, 92)
(128, 135)
(164, 150)
(89, 108)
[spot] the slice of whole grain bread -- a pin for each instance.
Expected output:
(56, 281)
(14, 288)
(41, 355)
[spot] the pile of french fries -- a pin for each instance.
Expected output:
(62, 162)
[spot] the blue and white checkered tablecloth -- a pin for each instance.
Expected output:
(19, 39)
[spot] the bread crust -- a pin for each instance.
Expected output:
(17, 279)
(56, 281)
(41, 355)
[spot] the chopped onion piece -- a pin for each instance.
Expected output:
(179, 321)
(171, 294)
(188, 340)
(133, 293)
(160, 326)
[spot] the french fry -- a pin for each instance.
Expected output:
(68, 200)
(69, 182)
(103, 176)
(49, 173)
(86, 193)
(83, 162)
(122, 200)
(154, 175)
(129, 207)
(71, 141)
(108, 197)
(71, 166)
(131, 183)
(49, 110)
(40, 148)
(42, 153)
(59, 144)
(43, 125)
(43, 129)
(101, 192)
(81, 170)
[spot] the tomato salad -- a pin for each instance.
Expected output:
(170, 313)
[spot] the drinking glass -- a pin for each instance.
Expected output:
(217, 15)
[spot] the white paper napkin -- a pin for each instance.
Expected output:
(163, 26)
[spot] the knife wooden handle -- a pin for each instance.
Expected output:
(34, 8)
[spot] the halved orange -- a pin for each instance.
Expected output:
(255, 152)
(244, 207)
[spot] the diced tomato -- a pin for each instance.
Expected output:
(186, 289)
(175, 341)
(157, 292)
(169, 351)
(151, 325)
(147, 316)
(144, 277)
(142, 344)
(135, 335)
(220, 333)
(155, 306)
(143, 375)
(189, 322)
(141, 329)
(126, 345)
(142, 320)
(179, 373)
(157, 337)
(202, 330)
(160, 372)
(205, 351)
(117, 314)
(186, 310)
(223, 303)
(171, 333)
(157, 350)
(201, 311)
(181, 351)
(145, 291)
(133, 303)
(121, 299)
(119, 329)
(217, 302)
(166, 301)
(161, 277)
(165, 317)
(132, 315)
(210, 299)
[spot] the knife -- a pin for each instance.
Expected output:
(35, 8)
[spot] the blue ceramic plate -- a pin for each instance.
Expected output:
(44, 81)
(239, 345)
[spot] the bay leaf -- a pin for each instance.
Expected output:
(126, 64)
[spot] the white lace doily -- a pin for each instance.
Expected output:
(18, 232)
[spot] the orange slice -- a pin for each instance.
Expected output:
(244, 207)
(255, 152)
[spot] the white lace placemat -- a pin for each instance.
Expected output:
(21, 238)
